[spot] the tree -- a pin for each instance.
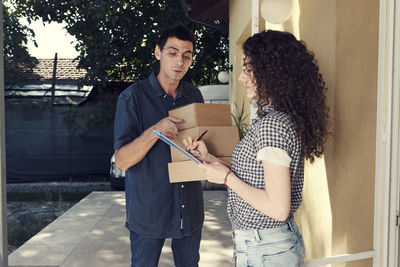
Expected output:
(116, 38)
(15, 39)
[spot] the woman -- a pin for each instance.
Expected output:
(265, 179)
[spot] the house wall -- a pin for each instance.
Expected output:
(239, 31)
(316, 25)
(336, 216)
(353, 179)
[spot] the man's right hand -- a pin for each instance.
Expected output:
(167, 126)
(133, 152)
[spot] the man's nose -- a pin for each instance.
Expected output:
(179, 61)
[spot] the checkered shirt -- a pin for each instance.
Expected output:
(273, 129)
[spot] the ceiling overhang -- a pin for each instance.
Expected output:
(209, 9)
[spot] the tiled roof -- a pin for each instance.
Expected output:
(66, 70)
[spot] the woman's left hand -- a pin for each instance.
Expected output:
(215, 172)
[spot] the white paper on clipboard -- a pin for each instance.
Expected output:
(174, 145)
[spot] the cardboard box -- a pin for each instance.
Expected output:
(220, 140)
(199, 114)
(187, 171)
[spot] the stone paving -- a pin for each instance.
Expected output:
(92, 234)
(26, 218)
(216, 246)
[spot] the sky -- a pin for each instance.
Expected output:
(51, 38)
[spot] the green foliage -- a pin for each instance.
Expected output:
(26, 220)
(116, 38)
(102, 113)
(46, 196)
(15, 37)
(19, 233)
(25, 105)
(240, 121)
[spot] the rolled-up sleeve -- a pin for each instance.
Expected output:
(273, 142)
(126, 122)
(274, 155)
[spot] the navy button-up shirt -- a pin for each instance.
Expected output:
(154, 206)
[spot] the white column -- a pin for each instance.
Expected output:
(255, 16)
(387, 106)
(394, 170)
(255, 28)
(3, 206)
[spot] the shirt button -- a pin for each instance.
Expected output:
(183, 206)
(165, 96)
(183, 186)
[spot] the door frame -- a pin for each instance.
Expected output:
(387, 137)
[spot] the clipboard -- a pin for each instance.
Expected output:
(174, 145)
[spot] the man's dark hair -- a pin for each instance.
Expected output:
(179, 31)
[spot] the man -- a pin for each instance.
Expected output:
(157, 209)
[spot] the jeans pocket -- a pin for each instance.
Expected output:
(284, 253)
(240, 250)
(240, 259)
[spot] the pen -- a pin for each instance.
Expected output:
(198, 139)
(201, 136)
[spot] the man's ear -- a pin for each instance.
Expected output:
(157, 52)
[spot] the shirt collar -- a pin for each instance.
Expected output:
(155, 84)
(158, 89)
(181, 90)
(266, 110)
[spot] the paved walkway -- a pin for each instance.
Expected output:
(92, 234)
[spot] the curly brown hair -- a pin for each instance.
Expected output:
(286, 74)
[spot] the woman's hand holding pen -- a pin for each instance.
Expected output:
(216, 171)
(197, 148)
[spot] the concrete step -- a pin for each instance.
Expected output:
(92, 234)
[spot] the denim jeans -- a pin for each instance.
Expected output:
(280, 246)
(146, 251)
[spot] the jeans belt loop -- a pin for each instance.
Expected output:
(289, 223)
(256, 235)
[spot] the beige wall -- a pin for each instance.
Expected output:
(317, 27)
(239, 31)
(355, 126)
(336, 216)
